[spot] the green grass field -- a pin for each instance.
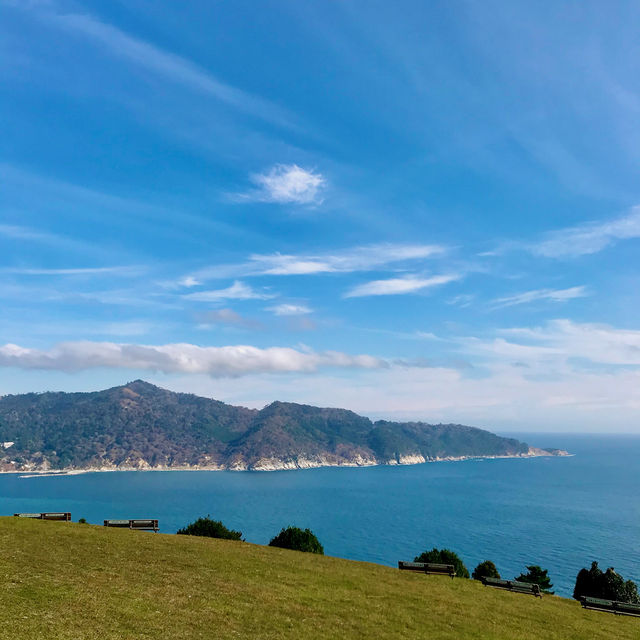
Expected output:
(75, 581)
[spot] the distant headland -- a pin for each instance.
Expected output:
(139, 426)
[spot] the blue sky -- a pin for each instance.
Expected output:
(413, 210)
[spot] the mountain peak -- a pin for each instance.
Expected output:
(140, 385)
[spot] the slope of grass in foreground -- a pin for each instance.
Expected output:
(78, 581)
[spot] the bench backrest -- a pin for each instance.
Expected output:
(511, 584)
(596, 602)
(50, 515)
(133, 523)
(116, 523)
(435, 566)
(142, 523)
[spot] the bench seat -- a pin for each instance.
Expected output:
(432, 568)
(613, 606)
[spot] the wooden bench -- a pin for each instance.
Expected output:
(613, 606)
(50, 515)
(140, 524)
(428, 568)
(513, 585)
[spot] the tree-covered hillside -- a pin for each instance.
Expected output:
(140, 425)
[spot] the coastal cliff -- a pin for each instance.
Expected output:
(140, 426)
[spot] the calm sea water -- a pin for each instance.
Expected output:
(560, 513)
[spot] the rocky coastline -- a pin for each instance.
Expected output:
(276, 464)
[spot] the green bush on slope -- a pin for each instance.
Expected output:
(298, 540)
(210, 529)
(444, 556)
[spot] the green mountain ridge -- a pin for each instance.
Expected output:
(141, 426)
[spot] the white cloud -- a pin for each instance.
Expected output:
(224, 361)
(589, 238)
(396, 286)
(597, 343)
(357, 259)
(363, 258)
(188, 281)
(553, 295)
(290, 310)
(286, 184)
(237, 291)
(507, 399)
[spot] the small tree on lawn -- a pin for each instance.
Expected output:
(485, 569)
(444, 556)
(536, 575)
(210, 529)
(298, 540)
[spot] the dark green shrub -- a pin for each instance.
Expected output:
(82, 521)
(444, 556)
(536, 575)
(485, 569)
(210, 529)
(298, 540)
(608, 585)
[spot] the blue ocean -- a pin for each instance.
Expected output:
(560, 513)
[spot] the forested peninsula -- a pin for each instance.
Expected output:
(140, 426)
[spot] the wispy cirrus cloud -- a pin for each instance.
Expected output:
(398, 286)
(74, 271)
(290, 309)
(285, 184)
(167, 65)
(551, 295)
(588, 238)
(227, 317)
(226, 361)
(364, 258)
(53, 240)
(237, 291)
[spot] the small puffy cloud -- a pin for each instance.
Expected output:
(287, 184)
(397, 286)
(188, 281)
(552, 295)
(237, 291)
(290, 309)
(227, 361)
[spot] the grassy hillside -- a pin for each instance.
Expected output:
(79, 581)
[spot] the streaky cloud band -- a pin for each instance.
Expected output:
(225, 361)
